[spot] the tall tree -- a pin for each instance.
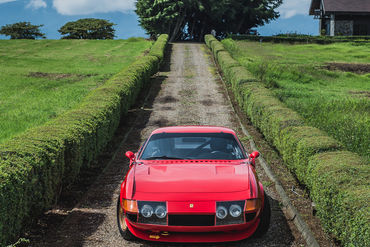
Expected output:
(88, 28)
(22, 30)
(191, 19)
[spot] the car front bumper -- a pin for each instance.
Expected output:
(192, 234)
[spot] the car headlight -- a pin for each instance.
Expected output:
(230, 212)
(161, 212)
(146, 211)
(154, 213)
(221, 212)
(235, 210)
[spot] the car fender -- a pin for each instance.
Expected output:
(128, 185)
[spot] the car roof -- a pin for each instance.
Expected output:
(194, 129)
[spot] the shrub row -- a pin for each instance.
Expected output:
(338, 180)
(158, 48)
(34, 166)
(302, 39)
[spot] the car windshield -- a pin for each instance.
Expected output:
(214, 146)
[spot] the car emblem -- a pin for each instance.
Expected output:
(191, 205)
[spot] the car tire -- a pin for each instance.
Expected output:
(264, 218)
(122, 227)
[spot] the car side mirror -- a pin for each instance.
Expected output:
(131, 156)
(254, 155)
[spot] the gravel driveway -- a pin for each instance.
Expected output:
(187, 91)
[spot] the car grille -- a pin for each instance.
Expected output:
(191, 220)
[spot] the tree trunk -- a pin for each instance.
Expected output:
(201, 33)
(240, 25)
(177, 27)
(192, 30)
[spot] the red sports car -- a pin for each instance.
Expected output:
(192, 184)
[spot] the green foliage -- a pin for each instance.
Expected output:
(334, 101)
(298, 144)
(159, 47)
(209, 38)
(237, 76)
(339, 184)
(88, 28)
(338, 181)
(226, 61)
(301, 38)
(34, 165)
(22, 30)
(40, 80)
(191, 19)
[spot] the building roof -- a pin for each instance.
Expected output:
(344, 6)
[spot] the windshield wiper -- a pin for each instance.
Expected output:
(164, 158)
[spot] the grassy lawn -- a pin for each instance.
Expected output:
(337, 102)
(41, 79)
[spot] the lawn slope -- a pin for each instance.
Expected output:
(333, 100)
(41, 79)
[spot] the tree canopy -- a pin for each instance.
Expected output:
(22, 30)
(191, 19)
(88, 28)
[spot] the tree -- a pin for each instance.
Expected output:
(191, 19)
(22, 30)
(88, 28)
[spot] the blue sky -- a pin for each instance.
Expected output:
(55, 13)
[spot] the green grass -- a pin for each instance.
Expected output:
(334, 101)
(41, 79)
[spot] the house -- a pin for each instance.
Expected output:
(342, 17)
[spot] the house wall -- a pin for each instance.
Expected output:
(352, 24)
(361, 25)
(343, 27)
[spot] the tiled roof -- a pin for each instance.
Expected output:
(353, 6)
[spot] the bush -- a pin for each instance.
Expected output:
(298, 144)
(226, 62)
(302, 38)
(35, 165)
(339, 184)
(159, 47)
(208, 39)
(338, 180)
(217, 47)
(238, 75)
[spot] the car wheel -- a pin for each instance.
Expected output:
(122, 227)
(264, 218)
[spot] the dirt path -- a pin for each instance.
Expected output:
(186, 91)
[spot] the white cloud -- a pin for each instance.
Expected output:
(6, 1)
(36, 4)
(84, 7)
(290, 8)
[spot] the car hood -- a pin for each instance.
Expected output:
(192, 178)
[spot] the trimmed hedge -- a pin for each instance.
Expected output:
(208, 39)
(217, 47)
(35, 165)
(338, 180)
(159, 46)
(226, 62)
(339, 184)
(303, 39)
